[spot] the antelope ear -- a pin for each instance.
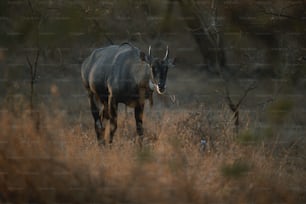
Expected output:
(142, 56)
(172, 62)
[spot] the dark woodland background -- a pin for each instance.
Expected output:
(227, 40)
(240, 79)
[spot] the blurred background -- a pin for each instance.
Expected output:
(234, 42)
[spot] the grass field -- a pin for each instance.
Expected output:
(47, 158)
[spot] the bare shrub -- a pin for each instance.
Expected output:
(61, 162)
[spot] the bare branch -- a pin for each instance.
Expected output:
(280, 14)
(31, 6)
(302, 58)
(34, 11)
(35, 63)
(229, 100)
(33, 67)
(29, 63)
(247, 90)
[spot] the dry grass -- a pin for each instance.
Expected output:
(55, 161)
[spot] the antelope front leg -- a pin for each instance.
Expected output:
(138, 118)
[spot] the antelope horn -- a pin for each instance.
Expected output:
(167, 53)
(150, 54)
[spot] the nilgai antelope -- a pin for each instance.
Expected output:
(122, 74)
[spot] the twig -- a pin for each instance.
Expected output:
(247, 90)
(33, 65)
(280, 14)
(235, 107)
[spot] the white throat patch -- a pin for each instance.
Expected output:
(151, 85)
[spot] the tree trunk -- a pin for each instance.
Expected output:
(207, 37)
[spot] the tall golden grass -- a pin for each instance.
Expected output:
(55, 161)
